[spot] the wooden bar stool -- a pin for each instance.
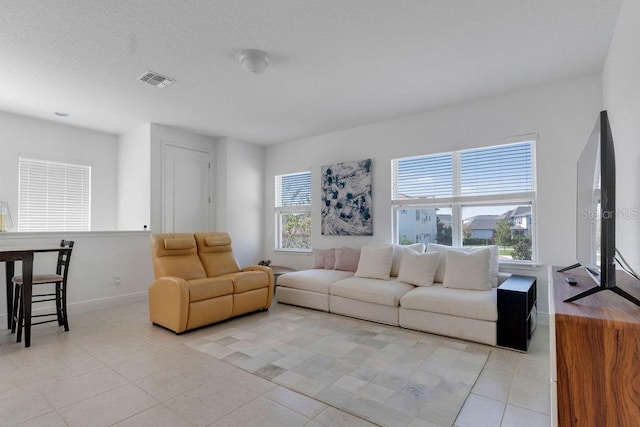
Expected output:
(59, 293)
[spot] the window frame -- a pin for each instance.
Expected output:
(281, 211)
(28, 194)
(457, 202)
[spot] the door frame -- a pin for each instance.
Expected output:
(163, 182)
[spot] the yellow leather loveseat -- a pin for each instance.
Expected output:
(199, 281)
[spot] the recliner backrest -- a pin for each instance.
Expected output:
(176, 254)
(216, 254)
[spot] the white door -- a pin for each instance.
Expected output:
(187, 190)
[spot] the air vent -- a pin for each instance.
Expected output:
(155, 79)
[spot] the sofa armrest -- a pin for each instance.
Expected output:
(269, 272)
(169, 303)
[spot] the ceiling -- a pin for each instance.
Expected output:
(335, 64)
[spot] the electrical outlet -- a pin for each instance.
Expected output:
(116, 280)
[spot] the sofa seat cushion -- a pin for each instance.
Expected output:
(314, 280)
(248, 280)
(202, 289)
(375, 291)
(481, 305)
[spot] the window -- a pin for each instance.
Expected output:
(293, 211)
(53, 196)
(469, 198)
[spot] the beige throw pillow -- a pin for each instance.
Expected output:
(418, 269)
(468, 270)
(347, 259)
(375, 263)
(323, 258)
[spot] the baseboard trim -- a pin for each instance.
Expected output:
(90, 305)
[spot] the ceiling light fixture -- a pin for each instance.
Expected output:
(254, 60)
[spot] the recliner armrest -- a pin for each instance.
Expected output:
(169, 303)
(269, 272)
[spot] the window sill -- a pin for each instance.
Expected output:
(523, 265)
(293, 251)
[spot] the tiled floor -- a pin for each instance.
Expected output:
(115, 368)
(387, 375)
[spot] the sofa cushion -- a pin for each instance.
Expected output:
(495, 254)
(397, 254)
(468, 270)
(375, 262)
(215, 252)
(347, 259)
(481, 305)
(202, 289)
(375, 291)
(418, 269)
(314, 280)
(323, 258)
(248, 280)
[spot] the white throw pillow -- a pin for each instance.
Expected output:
(418, 269)
(397, 254)
(375, 263)
(468, 270)
(442, 249)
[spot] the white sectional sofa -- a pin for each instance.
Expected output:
(437, 307)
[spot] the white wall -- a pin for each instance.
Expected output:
(21, 134)
(621, 94)
(239, 198)
(162, 135)
(96, 260)
(561, 114)
(134, 179)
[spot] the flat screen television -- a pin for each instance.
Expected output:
(596, 211)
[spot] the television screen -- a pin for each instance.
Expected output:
(596, 199)
(589, 207)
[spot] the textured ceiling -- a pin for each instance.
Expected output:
(336, 64)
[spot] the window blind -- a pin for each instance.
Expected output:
(490, 171)
(293, 189)
(53, 196)
(423, 177)
(496, 170)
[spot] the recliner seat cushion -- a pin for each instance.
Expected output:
(201, 289)
(248, 280)
(481, 305)
(375, 291)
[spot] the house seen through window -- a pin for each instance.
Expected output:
(293, 211)
(477, 197)
(53, 195)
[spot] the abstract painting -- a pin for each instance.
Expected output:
(346, 199)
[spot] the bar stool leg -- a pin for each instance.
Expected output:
(14, 315)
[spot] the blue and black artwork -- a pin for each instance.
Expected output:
(346, 199)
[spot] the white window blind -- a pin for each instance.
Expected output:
(423, 177)
(491, 171)
(53, 196)
(501, 169)
(293, 211)
(293, 189)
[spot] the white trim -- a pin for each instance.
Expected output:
(53, 158)
(90, 305)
